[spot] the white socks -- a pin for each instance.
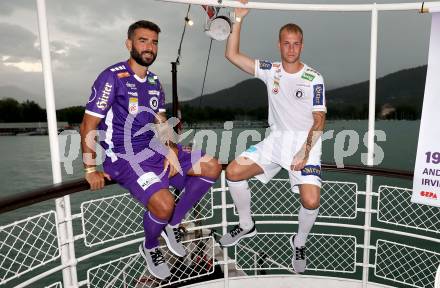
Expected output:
(306, 219)
(241, 195)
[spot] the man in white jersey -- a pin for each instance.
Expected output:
(296, 118)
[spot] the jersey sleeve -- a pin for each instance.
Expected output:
(102, 95)
(318, 92)
(263, 70)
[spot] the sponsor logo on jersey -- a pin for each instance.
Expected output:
(133, 105)
(314, 170)
(131, 85)
(123, 74)
(147, 180)
(318, 97)
(151, 80)
(308, 76)
(133, 93)
(105, 94)
(118, 68)
(154, 103)
(299, 93)
(154, 92)
(265, 65)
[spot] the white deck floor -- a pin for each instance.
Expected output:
(285, 281)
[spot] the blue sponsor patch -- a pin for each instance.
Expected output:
(251, 149)
(265, 65)
(311, 170)
(318, 94)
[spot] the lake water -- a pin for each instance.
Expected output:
(25, 160)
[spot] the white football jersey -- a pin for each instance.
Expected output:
(292, 97)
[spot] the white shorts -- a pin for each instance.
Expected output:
(271, 159)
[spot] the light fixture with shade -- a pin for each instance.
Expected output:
(218, 27)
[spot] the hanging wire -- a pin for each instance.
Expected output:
(204, 77)
(203, 86)
(179, 51)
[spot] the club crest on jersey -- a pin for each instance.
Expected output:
(299, 93)
(318, 97)
(265, 65)
(314, 170)
(133, 105)
(154, 103)
(275, 90)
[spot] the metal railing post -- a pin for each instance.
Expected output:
(370, 145)
(67, 248)
(224, 229)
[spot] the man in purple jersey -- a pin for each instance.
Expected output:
(124, 110)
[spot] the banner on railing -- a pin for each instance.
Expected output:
(426, 183)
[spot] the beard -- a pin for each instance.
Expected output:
(138, 57)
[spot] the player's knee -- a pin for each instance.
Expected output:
(214, 168)
(165, 210)
(310, 203)
(233, 173)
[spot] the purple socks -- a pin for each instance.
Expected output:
(152, 227)
(195, 188)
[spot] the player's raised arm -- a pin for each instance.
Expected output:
(233, 53)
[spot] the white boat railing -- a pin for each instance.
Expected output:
(405, 240)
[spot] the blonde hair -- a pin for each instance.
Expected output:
(291, 28)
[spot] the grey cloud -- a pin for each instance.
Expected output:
(19, 41)
(8, 7)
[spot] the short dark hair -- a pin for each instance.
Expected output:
(291, 28)
(142, 24)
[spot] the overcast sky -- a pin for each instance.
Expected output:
(88, 36)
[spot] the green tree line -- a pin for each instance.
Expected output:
(29, 111)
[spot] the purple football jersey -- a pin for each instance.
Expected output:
(127, 105)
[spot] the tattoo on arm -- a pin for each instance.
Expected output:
(315, 132)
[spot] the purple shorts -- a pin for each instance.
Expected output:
(146, 178)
